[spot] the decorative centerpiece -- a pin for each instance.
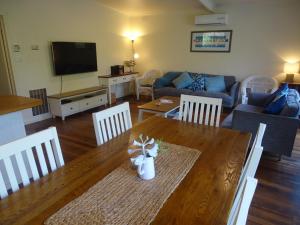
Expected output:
(145, 161)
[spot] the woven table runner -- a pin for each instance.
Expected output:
(123, 198)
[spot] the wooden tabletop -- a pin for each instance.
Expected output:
(119, 75)
(77, 92)
(203, 197)
(12, 103)
(157, 106)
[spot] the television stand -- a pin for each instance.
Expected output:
(69, 103)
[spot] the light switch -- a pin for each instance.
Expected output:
(16, 48)
(35, 47)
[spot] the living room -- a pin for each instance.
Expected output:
(265, 36)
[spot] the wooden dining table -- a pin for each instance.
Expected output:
(204, 196)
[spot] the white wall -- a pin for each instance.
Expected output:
(264, 36)
(38, 22)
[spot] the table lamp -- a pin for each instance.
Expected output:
(290, 69)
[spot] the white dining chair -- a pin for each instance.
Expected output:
(239, 214)
(145, 82)
(255, 153)
(252, 162)
(19, 166)
(200, 110)
(111, 122)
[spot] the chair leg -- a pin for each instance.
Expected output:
(137, 95)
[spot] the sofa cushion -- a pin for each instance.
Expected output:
(166, 80)
(291, 109)
(229, 80)
(183, 81)
(276, 106)
(215, 84)
(198, 83)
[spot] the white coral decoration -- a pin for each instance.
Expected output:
(152, 152)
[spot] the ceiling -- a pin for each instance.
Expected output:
(150, 7)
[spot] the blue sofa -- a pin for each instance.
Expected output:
(281, 129)
(164, 87)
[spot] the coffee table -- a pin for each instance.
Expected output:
(159, 108)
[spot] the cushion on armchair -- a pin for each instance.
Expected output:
(276, 106)
(283, 89)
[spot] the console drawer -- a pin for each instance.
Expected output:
(70, 108)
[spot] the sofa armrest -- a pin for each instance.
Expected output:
(258, 99)
(280, 133)
(234, 92)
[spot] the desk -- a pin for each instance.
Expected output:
(109, 81)
(203, 197)
(11, 120)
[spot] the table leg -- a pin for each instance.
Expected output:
(140, 116)
(109, 94)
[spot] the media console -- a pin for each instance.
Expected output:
(69, 103)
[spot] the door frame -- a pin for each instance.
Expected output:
(7, 57)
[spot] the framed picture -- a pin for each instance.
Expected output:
(211, 41)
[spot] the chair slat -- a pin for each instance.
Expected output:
(22, 168)
(50, 156)
(113, 126)
(196, 114)
(11, 174)
(57, 149)
(3, 189)
(186, 110)
(42, 160)
(113, 121)
(207, 113)
(108, 127)
(125, 121)
(116, 117)
(32, 163)
(212, 115)
(103, 131)
(190, 115)
(201, 113)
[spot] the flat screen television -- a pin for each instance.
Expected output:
(74, 57)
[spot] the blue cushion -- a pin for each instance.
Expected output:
(166, 80)
(282, 90)
(198, 83)
(161, 82)
(276, 106)
(183, 81)
(215, 84)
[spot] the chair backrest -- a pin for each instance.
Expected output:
(259, 84)
(19, 165)
(154, 73)
(238, 215)
(201, 110)
(255, 153)
(252, 162)
(111, 122)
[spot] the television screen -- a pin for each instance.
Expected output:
(74, 57)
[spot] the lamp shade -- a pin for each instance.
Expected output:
(291, 68)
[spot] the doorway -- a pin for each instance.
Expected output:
(7, 83)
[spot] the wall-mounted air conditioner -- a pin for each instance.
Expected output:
(212, 19)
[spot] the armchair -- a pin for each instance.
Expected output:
(145, 82)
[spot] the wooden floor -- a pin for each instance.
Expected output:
(277, 197)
